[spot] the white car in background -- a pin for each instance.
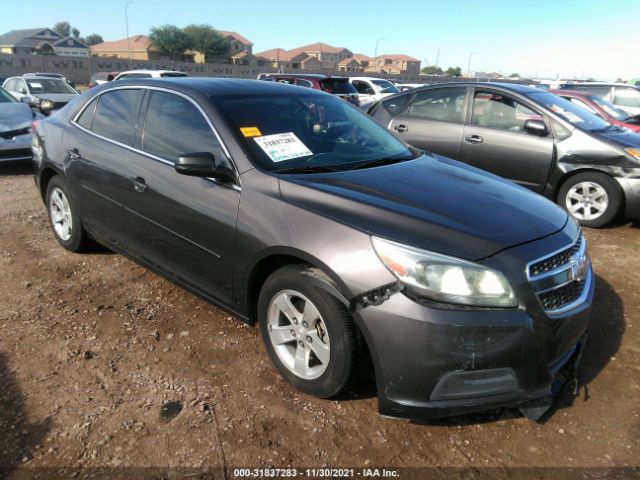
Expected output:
(149, 74)
(372, 89)
(409, 86)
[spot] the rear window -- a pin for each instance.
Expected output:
(337, 85)
(114, 116)
(396, 104)
(173, 74)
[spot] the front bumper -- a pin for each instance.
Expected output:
(433, 362)
(17, 149)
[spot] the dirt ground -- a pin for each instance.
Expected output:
(92, 346)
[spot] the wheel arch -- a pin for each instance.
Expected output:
(275, 258)
(46, 175)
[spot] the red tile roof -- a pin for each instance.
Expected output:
(235, 36)
(399, 56)
(361, 57)
(318, 47)
(277, 53)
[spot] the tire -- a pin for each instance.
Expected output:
(329, 341)
(593, 199)
(64, 217)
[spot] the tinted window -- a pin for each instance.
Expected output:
(568, 111)
(385, 86)
(600, 91)
(363, 87)
(86, 119)
(337, 85)
(396, 104)
(580, 103)
(444, 105)
(174, 126)
(627, 97)
(115, 114)
(495, 110)
(5, 97)
(304, 83)
(134, 75)
(173, 74)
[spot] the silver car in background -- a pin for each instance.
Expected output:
(43, 93)
(15, 129)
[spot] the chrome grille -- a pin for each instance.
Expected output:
(561, 279)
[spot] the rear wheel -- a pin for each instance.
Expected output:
(593, 199)
(64, 217)
(309, 335)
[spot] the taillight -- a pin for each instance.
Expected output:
(34, 126)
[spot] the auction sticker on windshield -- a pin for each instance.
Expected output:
(283, 146)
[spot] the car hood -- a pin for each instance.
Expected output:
(15, 116)
(433, 203)
(56, 97)
(621, 136)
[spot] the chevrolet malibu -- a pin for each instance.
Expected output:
(295, 212)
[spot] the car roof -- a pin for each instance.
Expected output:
(572, 93)
(599, 84)
(144, 70)
(213, 87)
(37, 77)
(318, 76)
(514, 87)
(369, 78)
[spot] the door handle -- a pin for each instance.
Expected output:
(473, 139)
(74, 154)
(139, 184)
(400, 128)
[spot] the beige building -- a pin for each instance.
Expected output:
(41, 41)
(137, 47)
(398, 63)
(327, 57)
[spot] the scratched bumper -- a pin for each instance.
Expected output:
(433, 362)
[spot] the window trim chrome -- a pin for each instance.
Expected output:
(74, 122)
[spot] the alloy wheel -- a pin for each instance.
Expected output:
(587, 200)
(298, 334)
(60, 213)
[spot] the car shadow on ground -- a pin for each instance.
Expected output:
(16, 168)
(18, 437)
(606, 327)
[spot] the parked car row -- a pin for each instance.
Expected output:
(530, 136)
(43, 92)
(345, 245)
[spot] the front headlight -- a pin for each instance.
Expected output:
(46, 105)
(634, 152)
(445, 279)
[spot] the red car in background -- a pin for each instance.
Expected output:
(339, 86)
(601, 107)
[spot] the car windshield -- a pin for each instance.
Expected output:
(5, 97)
(308, 132)
(385, 86)
(572, 113)
(611, 109)
(337, 86)
(49, 85)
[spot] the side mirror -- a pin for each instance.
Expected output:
(25, 99)
(205, 164)
(536, 127)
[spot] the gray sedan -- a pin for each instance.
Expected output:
(15, 129)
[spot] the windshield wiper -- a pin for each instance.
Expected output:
(378, 162)
(306, 169)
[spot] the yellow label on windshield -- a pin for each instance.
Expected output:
(250, 131)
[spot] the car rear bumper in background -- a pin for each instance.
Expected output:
(436, 362)
(631, 189)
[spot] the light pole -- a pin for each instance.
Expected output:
(375, 54)
(469, 63)
(126, 23)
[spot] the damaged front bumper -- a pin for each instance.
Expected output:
(434, 362)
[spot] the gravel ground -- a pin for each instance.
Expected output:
(104, 364)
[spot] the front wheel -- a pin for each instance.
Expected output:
(64, 217)
(309, 335)
(593, 199)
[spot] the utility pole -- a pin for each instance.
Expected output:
(469, 63)
(126, 22)
(375, 54)
(438, 58)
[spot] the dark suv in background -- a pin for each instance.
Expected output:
(339, 86)
(529, 136)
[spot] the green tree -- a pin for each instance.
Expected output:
(62, 28)
(432, 70)
(75, 32)
(454, 71)
(514, 75)
(169, 39)
(92, 39)
(205, 39)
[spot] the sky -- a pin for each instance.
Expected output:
(540, 39)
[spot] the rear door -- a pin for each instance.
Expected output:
(366, 93)
(495, 139)
(185, 226)
(100, 150)
(434, 120)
